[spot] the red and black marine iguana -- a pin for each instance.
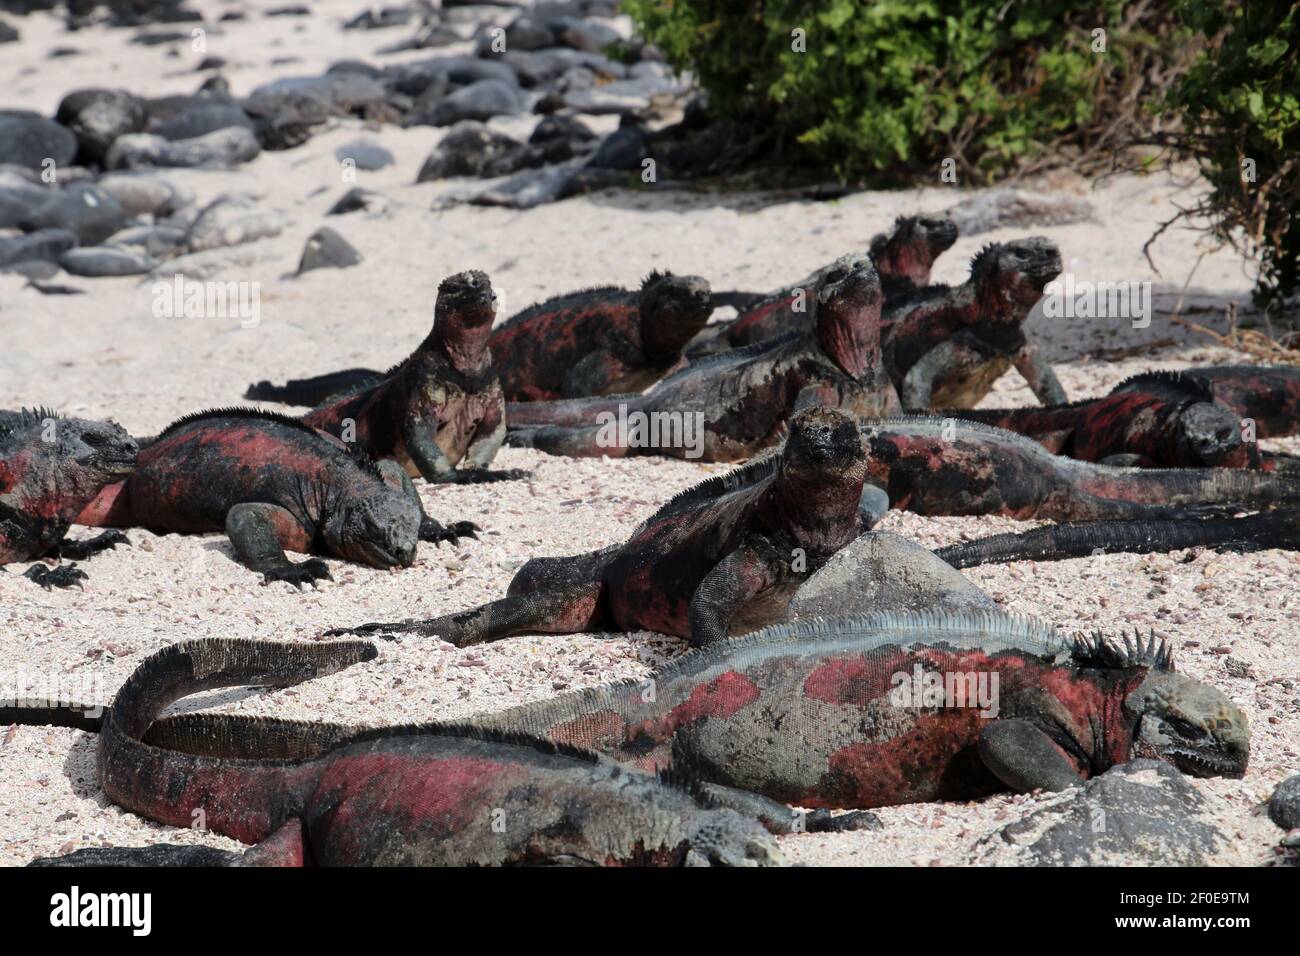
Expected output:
(903, 258)
(934, 465)
(722, 557)
(739, 402)
(596, 341)
(841, 713)
(51, 467)
(431, 795)
(271, 483)
(1267, 395)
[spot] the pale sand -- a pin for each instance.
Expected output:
(105, 354)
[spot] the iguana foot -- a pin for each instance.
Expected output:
(483, 476)
(431, 530)
(384, 630)
(62, 576)
(81, 550)
(823, 821)
(722, 844)
(307, 573)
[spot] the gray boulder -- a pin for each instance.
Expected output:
(85, 209)
(326, 249)
(1284, 807)
(97, 261)
(28, 139)
(98, 117)
(225, 147)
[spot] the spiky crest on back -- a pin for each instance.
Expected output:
(238, 413)
(1177, 379)
(1122, 652)
(736, 356)
(24, 419)
(746, 476)
(984, 258)
(557, 302)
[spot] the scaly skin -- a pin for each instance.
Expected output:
(1156, 420)
(50, 469)
(440, 414)
(743, 398)
(418, 795)
(945, 347)
(599, 341)
(903, 259)
(723, 557)
(1268, 395)
(1274, 529)
(941, 466)
(271, 483)
(808, 713)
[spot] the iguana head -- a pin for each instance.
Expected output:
(1175, 718)
(823, 466)
(79, 453)
(909, 251)
(849, 300)
(1208, 434)
(1015, 273)
(463, 318)
(673, 309)
(380, 529)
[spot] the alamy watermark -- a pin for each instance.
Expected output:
(181, 298)
(923, 688)
(651, 430)
(21, 688)
(1069, 298)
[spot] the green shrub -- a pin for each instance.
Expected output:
(1240, 105)
(886, 85)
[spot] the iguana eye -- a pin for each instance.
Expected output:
(1185, 728)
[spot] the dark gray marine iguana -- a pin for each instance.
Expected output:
(272, 484)
(51, 467)
(1257, 532)
(903, 258)
(736, 403)
(433, 795)
(596, 341)
(945, 347)
(440, 413)
(1153, 420)
(933, 465)
(722, 557)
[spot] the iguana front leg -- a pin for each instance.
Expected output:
(1039, 375)
(489, 436)
(429, 459)
(919, 382)
(1024, 758)
(593, 374)
(734, 581)
(781, 819)
(260, 533)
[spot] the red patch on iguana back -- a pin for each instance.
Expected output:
(721, 697)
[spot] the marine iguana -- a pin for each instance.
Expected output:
(442, 407)
(1257, 532)
(51, 467)
(737, 402)
(943, 466)
(271, 483)
(415, 795)
(724, 556)
(599, 341)
(596, 341)
(1154, 420)
(842, 712)
(1267, 395)
(945, 347)
(903, 258)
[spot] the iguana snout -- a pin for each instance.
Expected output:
(673, 309)
(822, 440)
(381, 531)
(1208, 434)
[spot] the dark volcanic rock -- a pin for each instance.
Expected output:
(27, 139)
(203, 116)
(624, 148)
(98, 117)
(45, 246)
(17, 198)
(232, 219)
(466, 150)
(225, 147)
(478, 101)
(1142, 813)
(7, 33)
(1284, 807)
(365, 154)
(326, 249)
(357, 199)
(84, 209)
(97, 261)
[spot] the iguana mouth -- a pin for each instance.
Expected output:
(1204, 765)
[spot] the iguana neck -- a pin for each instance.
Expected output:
(850, 335)
(463, 344)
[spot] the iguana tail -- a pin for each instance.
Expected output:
(311, 391)
(247, 799)
(1063, 541)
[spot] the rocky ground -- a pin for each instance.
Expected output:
(113, 351)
